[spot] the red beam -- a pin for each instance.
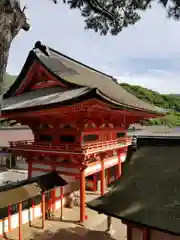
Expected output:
(86, 109)
(28, 78)
(58, 164)
(50, 76)
(60, 172)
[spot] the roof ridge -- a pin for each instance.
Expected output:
(43, 48)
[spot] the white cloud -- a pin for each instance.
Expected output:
(155, 37)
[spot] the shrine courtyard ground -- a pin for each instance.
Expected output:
(68, 229)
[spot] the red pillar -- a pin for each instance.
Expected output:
(53, 199)
(43, 210)
(9, 218)
(129, 232)
(119, 165)
(61, 195)
(82, 196)
(108, 176)
(29, 168)
(20, 220)
(102, 183)
(53, 191)
(94, 183)
(146, 234)
(33, 210)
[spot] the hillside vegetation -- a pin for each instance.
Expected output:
(167, 101)
(9, 79)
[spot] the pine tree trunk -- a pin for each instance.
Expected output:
(4, 53)
(5, 42)
(12, 20)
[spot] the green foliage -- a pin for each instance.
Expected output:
(167, 101)
(9, 79)
(105, 16)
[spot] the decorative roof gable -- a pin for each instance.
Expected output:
(73, 74)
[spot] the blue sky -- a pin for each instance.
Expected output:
(146, 54)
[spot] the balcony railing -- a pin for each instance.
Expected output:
(31, 145)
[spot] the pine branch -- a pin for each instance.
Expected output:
(98, 8)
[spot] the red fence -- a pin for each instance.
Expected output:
(69, 147)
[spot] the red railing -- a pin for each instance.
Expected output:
(27, 144)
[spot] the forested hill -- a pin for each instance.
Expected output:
(167, 101)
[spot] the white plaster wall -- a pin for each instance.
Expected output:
(137, 234)
(68, 170)
(42, 166)
(157, 235)
(72, 186)
(14, 221)
(21, 164)
(27, 214)
(37, 173)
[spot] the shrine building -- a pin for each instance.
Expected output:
(147, 197)
(79, 117)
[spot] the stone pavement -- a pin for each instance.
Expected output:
(68, 228)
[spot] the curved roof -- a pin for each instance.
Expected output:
(46, 97)
(76, 74)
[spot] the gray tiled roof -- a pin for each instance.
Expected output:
(148, 193)
(23, 190)
(77, 73)
(42, 97)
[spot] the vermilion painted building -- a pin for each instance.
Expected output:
(79, 117)
(147, 197)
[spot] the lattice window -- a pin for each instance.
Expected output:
(67, 126)
(91, 160)
(90, 138)
(67, 138)
(14, 208)
(3, 212)
(45, 138)
(26, 204)
(120, 134)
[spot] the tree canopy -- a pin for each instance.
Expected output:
(111, 16)
(103, 16)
